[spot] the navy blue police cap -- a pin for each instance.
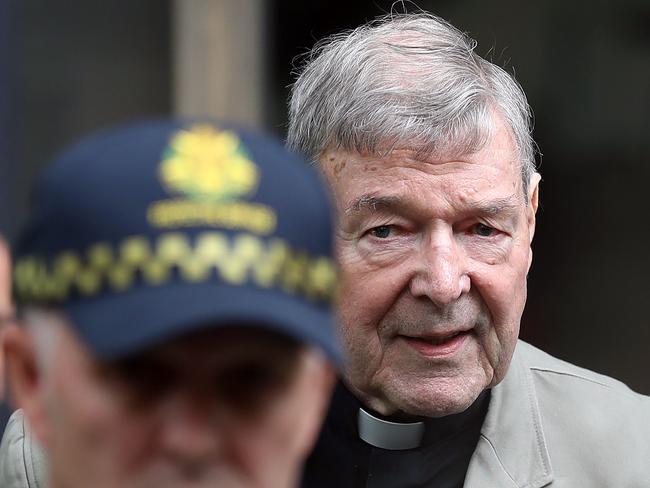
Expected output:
(159, 228)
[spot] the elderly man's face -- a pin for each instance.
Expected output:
(227, 408)
(434, 255)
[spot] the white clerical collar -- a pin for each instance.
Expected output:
(395, 436)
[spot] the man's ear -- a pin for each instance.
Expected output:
(25, 378)
(533, 202)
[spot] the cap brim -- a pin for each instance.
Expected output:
(114, 326)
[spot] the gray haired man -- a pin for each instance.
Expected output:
(427, 150)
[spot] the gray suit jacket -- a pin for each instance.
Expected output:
(22, 461)
(553, 424)
(549, 424)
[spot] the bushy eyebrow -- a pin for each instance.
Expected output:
(506, 205)
(501, 206)
(372, 202)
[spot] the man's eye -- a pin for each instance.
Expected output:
(381, 232)
(484, 230)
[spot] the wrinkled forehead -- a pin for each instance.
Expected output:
(461, 143)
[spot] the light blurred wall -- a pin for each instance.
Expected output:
(220, 53)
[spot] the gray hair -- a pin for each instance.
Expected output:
(405, 78)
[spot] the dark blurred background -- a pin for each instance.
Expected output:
(70, 67)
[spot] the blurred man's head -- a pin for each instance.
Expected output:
(427, 149)
(175, 308)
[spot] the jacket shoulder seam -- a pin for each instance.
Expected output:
(24, 448)
(537, 426)
(616, 387)
(571, 375)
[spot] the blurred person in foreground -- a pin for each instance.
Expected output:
(174, 314)
(6, 312)
(428, 152)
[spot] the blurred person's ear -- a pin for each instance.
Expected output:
(25, 378)
(5, 280)
(6, 308)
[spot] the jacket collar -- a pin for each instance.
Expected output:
(512, 451)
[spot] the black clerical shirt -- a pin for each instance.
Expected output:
(342, 460)
(5, 413)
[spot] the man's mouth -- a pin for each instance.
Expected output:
(437, 345)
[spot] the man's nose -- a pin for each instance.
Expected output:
(441, 273)
(191, 429)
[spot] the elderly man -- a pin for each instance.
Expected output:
(427, 149)
(175, 314)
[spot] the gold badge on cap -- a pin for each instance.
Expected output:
(208, 164)
(211, 173)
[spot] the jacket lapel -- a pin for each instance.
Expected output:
(511, 451)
